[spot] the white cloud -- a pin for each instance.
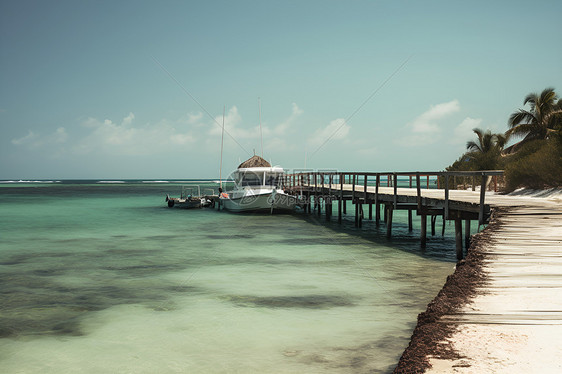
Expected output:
(30, 137)
(425, 129)
(35, 140)
(233, 125)
(194, 119)
(463, 132)
(128, 120)
(337, 129)
(427, 121)
(182, 139)
(283, 127)
(126, 138)
(231, 120)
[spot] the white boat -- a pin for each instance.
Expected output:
(257, 187)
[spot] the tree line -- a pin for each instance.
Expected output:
(535, 159)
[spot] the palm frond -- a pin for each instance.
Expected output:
(522, 116)
(473, 146)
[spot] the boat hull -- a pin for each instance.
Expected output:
(260, 202)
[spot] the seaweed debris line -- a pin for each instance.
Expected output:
(501, 311)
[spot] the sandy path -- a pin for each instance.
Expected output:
(514, 324)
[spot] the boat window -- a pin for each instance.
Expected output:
(251, 179)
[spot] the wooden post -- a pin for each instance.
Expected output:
(370, 211)
(446, 196)
(389, 221)
(467, 233)
(423, 234)
(428, 182)
(482, 198)
(356, 214)
(410, 225)
(458, 238)
(360, 215)
(395, 181)
(340, 201)
(329, 200)
(473, 183)
(433, 221)
(365, 190)
(315, 183)
(418, 188)
(385, 217)
(353, 190)
(443, 227)
(377, 203)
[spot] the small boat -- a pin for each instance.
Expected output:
(257, 187)
(188, 199)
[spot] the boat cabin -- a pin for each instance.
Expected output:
(258, 177)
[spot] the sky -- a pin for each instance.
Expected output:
(137, 89)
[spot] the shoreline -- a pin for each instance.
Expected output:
(429, 338)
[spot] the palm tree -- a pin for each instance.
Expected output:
(542, 120)
(486, 151)
(486, 142)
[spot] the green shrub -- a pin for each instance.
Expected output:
(537, 166)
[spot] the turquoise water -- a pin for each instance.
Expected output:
(103, 277)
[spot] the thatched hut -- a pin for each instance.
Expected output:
(254, 162)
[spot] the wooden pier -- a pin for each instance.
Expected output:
(321, 190)
(514, 320)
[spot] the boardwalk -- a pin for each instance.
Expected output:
(514, 323)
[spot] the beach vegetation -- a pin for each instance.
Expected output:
(538, 165)
(533, 162)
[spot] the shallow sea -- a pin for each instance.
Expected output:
(104, 277)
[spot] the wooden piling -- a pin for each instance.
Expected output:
(482, 197)
(410, 224)
(385, 216)
(423, 233)
(389, 221)
(339, 210)
(467, 233)
(458, 238)
(377, 203)
(341, 201)
(446, 197)
(360, 215)
(433, 221)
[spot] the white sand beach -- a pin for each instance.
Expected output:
(514, 324)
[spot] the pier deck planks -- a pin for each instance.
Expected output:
(514, 324)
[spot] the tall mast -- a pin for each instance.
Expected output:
(261, 135)
(222, 142)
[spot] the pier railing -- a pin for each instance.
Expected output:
(443, 180)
